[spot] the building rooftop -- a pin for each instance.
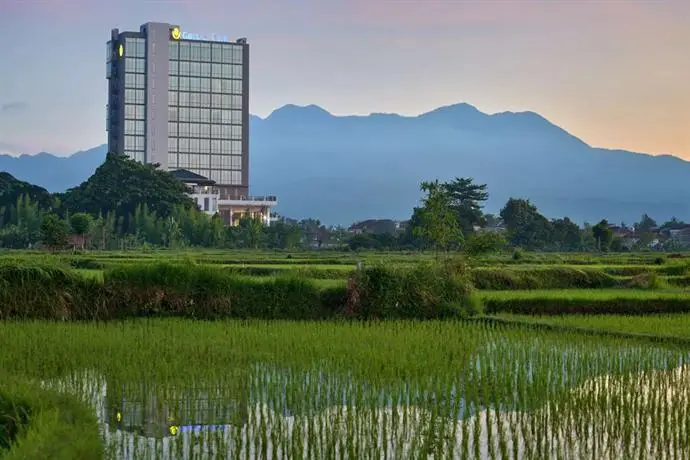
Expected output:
(189, 177)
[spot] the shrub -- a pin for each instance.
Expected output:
(39, 423)
(424, 292)
(541, 278)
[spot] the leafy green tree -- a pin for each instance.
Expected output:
(527, 228)
(466, 199)
(120, 185)
(603, 235)
(438, 222)
(81, 226)
(251, 232)
(567, 235)
(54, 231)
(483, 243)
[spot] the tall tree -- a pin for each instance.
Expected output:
(645, 225)
(438, 222)
(526, 227)
(81, 225)
(466, 199)
(603, 235)
(54, 231)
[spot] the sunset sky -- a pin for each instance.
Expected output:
(615, 73)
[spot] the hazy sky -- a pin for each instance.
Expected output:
(615, 73)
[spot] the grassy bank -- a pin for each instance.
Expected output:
(38, 291)
(36, 423)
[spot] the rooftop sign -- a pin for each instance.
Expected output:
(177, 34)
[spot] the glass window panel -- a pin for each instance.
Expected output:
(225, 101)
(226, 132)
(183, 114)
(194, 84)
(215, 131)
(184, 83)
(236, 147)
(204, 115)
(172, 97)
(237, 102)
(184, 68)
(205, 69)
(216, 85)
(172, 114)
(205, 85)
(206, 52)
(216, 52)
(217, 70)
(236, 178)
(237, 54)
(173, 83)
(194, 69)
(216, 176)
(194, 145)
(236, 131)
(236, 71)
(172, 144)
(184, 130)
(237, 86)
(216, 161)
(183, 99)
(236, 116)
(172, 129)
(226, 86)
(204, 161)
(184, 51)
(215, 146)
(173, 68)
(183, 145)
(216, 115)
(205, 100)
(172, 160)
(195, 52)
(194, 130)
(173, 50)
(204, 144)
(227, 53)
(225, 147)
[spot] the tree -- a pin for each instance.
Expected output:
(526, 227)
(437, 220)
(81, 225)
(645, 225)
(54, 231)
(482, 243)
(603, 235)
(465, 199)
(566, 235)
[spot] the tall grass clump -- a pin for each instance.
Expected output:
(496, 278)
(40, 423)
(44, 291)
(428, 290)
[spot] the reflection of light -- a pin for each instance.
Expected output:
(118, 416)
(189, 428)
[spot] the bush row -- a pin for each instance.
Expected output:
(39, 423)
(207, 292)
(565, 306)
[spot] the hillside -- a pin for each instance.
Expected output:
(347, 168)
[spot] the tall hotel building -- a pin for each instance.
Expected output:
(182, 100)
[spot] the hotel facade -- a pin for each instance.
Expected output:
(181, 100)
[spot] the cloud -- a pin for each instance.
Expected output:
(13, 107)
(7, 148)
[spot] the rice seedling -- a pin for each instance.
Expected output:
(173, 388)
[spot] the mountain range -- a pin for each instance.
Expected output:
(342, 169)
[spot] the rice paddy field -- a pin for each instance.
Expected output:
(570, 356)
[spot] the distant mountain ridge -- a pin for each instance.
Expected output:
(347, 168)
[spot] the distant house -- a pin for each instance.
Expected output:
(377, 226)
(679, 233)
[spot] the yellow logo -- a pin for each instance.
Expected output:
(176, 34)
(121, 50)
(174, 430)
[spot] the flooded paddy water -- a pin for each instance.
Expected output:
(181, 389)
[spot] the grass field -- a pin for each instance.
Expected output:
(337, 388)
